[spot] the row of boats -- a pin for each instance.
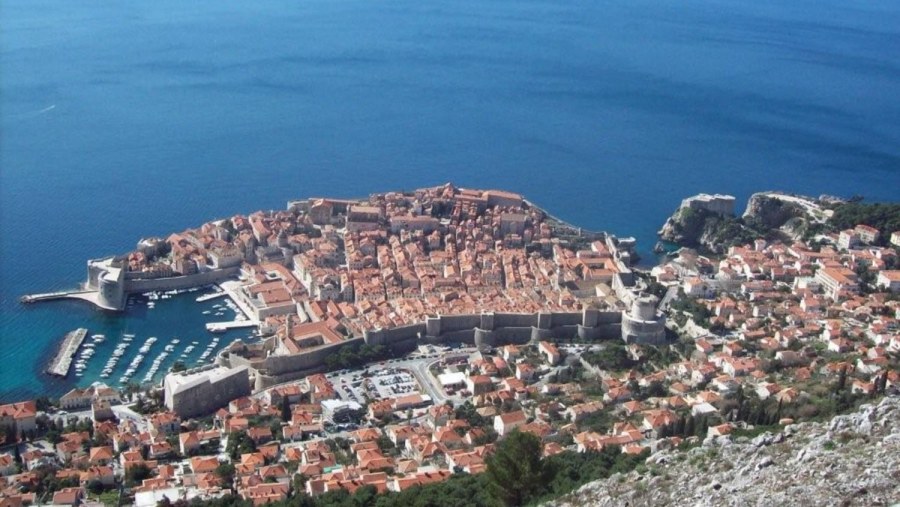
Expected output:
(87, 352)
(138, 359)
(89, 349)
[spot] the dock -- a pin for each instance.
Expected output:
(210, 296)
(48, 296)
(219, 327)
(63, 360)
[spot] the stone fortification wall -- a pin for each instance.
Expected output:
(514, 320)
(602, 332)
(450, 323)
(566, 319)
(645, 332)
(205, 397)
(312, 359)
(180, 282)
(396, 335)
(483, 330)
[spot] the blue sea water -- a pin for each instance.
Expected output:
(128, 119)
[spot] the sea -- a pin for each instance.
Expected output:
(128, 119)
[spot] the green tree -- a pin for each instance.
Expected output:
(136, 475)
(225, 471)
(516, 469)
(285, 409)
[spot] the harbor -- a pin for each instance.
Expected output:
(63, 359)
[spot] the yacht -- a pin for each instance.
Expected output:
(98, 338)
(176, 341)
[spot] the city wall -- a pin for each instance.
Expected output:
(180, 282)
(485, 330)
(204, 396)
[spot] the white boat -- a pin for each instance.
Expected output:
(176, 341)
(98, 338)
(152, 339)
(170, 348)
(144, 349)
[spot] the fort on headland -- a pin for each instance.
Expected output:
(435, 264)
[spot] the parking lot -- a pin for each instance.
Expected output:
(391, 383)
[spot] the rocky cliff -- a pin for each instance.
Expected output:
(852, 460)
(768, 215)
(705, 230)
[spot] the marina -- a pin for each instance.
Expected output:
(63, 360)
(132, 356)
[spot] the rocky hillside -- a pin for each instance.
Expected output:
(853, 460)
(770, 215)
(705, 230)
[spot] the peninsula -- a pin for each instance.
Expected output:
(462, 344)
(480, 266)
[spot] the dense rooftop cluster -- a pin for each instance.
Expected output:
(770, 333)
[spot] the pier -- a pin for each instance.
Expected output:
(219, 327)
(63, 360)
(210, 296)
(48, 296)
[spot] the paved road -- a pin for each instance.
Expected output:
(667, 299)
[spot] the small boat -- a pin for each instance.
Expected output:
(206, 312)
(176, 341)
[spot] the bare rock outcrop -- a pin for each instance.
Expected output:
(852, 460)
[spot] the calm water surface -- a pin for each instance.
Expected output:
(128, 119)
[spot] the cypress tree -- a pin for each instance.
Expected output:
(285, 409)
(842, 381)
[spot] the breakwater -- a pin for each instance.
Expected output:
(63, 359)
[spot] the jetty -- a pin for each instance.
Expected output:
(63, 360)
(221, 327)
(48, 296)
(212, 295)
